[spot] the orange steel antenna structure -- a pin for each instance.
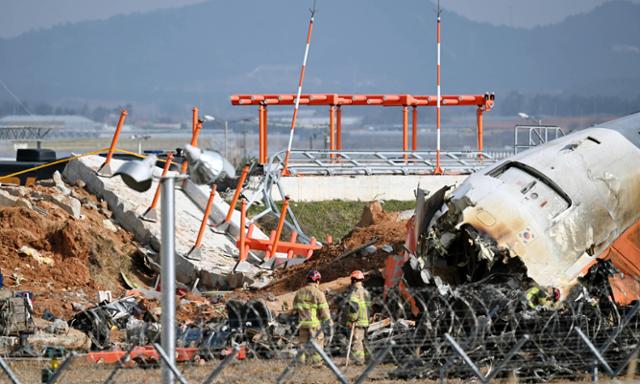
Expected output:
(300, 81)
(438, 170)
(105, 168)
(195, 253)
(482, 102)
(197, 126)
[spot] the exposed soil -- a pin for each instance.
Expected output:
(332, 262)
(87, 257)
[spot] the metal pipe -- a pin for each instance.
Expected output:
(227, 360)
(338, 128)
(236, 194)
(595, 352)
(261, 138)
(405, 128)
(414, 130)
(5, 367)
(166, 361)
(168, 276)
(194, 143)
(283, 215)
(205, 218)
(194, 119)
(241, 229)
(332, 129)
(116, 137)
(479, 114)
(265, 127)
(329, 362)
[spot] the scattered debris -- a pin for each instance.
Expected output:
(26, 250)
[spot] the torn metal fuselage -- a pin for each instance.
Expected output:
(549, 212)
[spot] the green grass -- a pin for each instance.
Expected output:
(333, 217)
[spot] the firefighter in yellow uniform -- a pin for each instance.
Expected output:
(358, 317)
(313, 313)
(539, 298)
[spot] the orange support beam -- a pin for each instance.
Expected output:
(194, 143)
(116, 137)
(291, 248)
(283, 216)
(338, 128)
(241, 238)
(205, 218)
(414, 130)
(194, 119)
(261, 135)
(265, 130)
(479, 114)
(236, 194)
(332, 129)
(405, 128)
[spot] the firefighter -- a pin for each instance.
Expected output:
(539, 298)
(313, 316)
(358, 317)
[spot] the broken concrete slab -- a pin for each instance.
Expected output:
(69, 204)
(108, 224)
(9, 200)
(60, 185)
(219, 251)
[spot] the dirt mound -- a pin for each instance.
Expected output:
(339, 260)
(62, 260)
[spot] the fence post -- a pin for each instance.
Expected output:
(227, 360)
(376, 360)
(5, 367)
(62, 367)
(172, 367)
(236, 194)
(595, 352)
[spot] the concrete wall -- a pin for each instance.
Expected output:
(219, 252)
(363, 188)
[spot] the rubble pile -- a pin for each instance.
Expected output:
(61, 257)
(366, 247)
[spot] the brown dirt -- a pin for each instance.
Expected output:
(380, 225)
(86, 256)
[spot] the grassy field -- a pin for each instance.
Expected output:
(334, 217)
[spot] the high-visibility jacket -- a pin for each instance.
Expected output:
(312, 306)
(537, 297)
(359, 303)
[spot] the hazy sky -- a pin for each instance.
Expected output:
(17, 16)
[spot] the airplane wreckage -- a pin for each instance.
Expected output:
(548, 214)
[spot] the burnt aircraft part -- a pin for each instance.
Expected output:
(556, 207)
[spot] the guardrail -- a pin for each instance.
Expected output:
(329, 163)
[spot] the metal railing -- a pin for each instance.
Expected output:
(329, 163)
(528, 136)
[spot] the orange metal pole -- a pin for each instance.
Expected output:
(332, 129)
(338, 128)
(261, 134)
(479, 113)
(205, 219)
(241, 238)
(283, 215)
(194, 142)
(165, 170)
(414, 131)
(194, 119)
(405, 128)
(236, 194)
(265, 141)
(116, 136)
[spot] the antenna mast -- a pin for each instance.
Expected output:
(300, 81)
(438, 170)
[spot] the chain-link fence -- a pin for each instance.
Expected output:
(483, 331)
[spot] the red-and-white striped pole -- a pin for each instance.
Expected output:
(438, 169)
(300, 82)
